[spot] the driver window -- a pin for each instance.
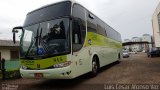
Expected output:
(78, 27)
(76, 33)
(57, 31)
(76, 36)
(55, 37)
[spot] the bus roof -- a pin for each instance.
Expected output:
(45, 6)
(72, 1)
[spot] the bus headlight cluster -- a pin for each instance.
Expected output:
(64, 64)
(24, 67)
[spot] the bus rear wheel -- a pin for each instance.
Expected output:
(119, 58)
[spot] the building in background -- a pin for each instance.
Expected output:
(143, 43)
(136, 47)
(9, 50)
(156, 26)
(127, 47)
(146, 38)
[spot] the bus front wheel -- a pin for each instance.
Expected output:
(95, 67)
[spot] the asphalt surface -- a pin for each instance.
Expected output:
(138, 72)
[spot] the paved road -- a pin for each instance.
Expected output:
(137, 69)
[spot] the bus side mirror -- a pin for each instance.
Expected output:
(14, 31)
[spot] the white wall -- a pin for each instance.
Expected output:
(147, 38)
(5, 53)
(156, 31)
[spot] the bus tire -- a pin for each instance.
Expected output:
(117, 62)
(95, 66)
(119, 58)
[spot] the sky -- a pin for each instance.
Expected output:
(129, 17)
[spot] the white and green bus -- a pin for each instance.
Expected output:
(65, 40)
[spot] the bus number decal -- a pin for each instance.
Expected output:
(80, 62)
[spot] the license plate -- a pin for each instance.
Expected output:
(38, 75)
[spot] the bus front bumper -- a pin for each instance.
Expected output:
(58, 73)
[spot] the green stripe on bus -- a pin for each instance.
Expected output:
(99, 40)
(44, 63)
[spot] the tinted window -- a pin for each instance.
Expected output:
(101, 30)
(91, 23)
(46, 39)
(111, 33)
(48, 13)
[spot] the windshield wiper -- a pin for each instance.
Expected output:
(44, 46)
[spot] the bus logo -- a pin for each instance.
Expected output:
(90, 42)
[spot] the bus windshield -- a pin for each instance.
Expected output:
(46, 39)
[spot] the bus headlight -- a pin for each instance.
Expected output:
(64, 64)
(24, 67)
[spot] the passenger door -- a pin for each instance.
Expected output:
(80, 54)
